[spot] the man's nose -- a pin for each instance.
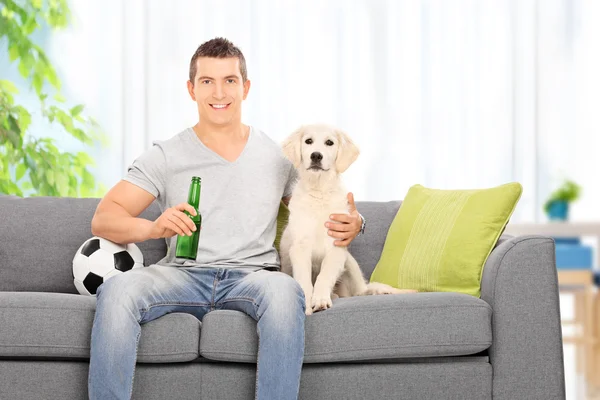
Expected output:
(316, 156)
(218, 92)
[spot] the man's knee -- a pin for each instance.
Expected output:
(284, 292)
(125, 288)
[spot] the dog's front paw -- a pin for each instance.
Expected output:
(308, 310)
(322, 302)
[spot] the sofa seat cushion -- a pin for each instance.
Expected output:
(366, 328)
(57, 325)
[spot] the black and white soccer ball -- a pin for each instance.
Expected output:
(98, 259)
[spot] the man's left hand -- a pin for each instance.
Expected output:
(346, 227)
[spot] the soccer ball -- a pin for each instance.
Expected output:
(99, 259)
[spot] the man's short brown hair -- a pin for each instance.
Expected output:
(218, 48)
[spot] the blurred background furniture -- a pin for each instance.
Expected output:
(576, 277)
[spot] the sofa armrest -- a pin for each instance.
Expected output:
(520, 283)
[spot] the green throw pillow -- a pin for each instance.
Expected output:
(282, 220)
(440, 239)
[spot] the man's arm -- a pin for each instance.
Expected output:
(116, 219)
(286, 200)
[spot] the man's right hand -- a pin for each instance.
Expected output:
(116, 216)
(174, 222)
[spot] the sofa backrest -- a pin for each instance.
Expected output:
(39, 237)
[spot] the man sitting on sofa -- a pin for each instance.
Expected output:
(244, 177)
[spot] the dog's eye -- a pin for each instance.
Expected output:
(308, 141)
(329, 143)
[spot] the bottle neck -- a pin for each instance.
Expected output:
(194, 197)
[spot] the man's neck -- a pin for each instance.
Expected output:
(228, 133)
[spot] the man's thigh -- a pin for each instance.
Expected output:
(157, 290)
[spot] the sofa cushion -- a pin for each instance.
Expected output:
(440, 239)
(366, 328)
(39, 237)
(57, 325)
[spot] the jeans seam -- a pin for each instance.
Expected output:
(212, 300)
(248, 299)
(175, 303)
(257, 365)
(137, 344)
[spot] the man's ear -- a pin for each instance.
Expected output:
(246, 89)
(190, 87)
(292, 147)
(347, 152)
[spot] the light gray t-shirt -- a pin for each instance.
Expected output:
(239, 200)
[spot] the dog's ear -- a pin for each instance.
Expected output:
(347, 152)
(292, 147)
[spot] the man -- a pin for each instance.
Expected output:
(244, 177)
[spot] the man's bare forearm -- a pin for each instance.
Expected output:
(121, 228)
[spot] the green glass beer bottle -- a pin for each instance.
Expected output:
(187, 246)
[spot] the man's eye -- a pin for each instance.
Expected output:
(230, 80)
(205, 81)
(308, 141)
(329, 143)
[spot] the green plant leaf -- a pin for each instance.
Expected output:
(50, 177)
(84, 158)
(38, 82)
(8, 86)
(59, 97)
(30, 25)
(14, 189)
(52, 77)
(16, 8)
(23, 69)
(88, 179)
(14, 132)
(62, 184)
(13, 53)
(24, 118)
(20, 172)
(75, 111)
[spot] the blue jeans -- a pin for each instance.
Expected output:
(274, 299)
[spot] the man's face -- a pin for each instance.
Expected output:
(218, 90)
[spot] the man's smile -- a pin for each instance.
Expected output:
(220, 106)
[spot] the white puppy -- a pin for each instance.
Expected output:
(321, 153)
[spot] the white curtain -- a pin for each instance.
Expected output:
(448, 94)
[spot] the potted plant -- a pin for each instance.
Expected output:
(557, 205)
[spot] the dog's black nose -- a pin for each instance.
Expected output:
(316, 156)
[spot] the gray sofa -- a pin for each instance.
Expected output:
(506, 345)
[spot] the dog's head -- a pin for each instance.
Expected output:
(320, 148)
